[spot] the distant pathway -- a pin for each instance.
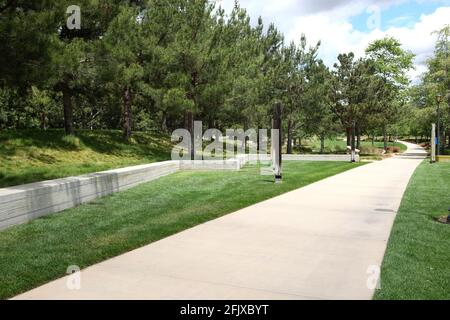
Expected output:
(413, 151)
(317, 242)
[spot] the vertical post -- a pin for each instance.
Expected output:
(438, 150)
(198, 140)
(189, 126)
(353, 158)
(433, 143)
(276, 142)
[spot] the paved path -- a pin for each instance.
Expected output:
(316, 242)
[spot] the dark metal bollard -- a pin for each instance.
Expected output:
(277, 154)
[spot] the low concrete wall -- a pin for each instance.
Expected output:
(23, 203)
(443, 158)
(305, 157)
(319, 157)
(26, 202)
(231, 164)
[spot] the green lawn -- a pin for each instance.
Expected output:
(37, 252)
(417, 261)
(35, 155)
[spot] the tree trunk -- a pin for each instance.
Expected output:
(289, 137)
(91, 121)
(385, 138)
(211, 121)
(257, 140)
(244, 141)
(444, 139)
(127, 100)
(189, 126)
(448, 134)
(358, 138)
(349, 136)
(353, 141)
(68, 112)
(43, 116)
(164, 122)
(373, 139)
(322, 144)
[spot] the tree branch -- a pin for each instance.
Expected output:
(7, 5)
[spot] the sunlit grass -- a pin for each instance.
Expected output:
(417, 260)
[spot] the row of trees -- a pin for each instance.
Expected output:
(422, 108)
(160, 64)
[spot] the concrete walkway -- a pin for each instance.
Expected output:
(317, 242)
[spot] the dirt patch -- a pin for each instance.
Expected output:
(444, 220)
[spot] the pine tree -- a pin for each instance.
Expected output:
(392, 64)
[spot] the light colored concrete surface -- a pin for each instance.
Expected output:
(413, 151)
(316, 242)
(443, 159)
(230, 164)
(319, 157)
(305, 157)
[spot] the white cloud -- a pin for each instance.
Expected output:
(329, 21)
(420, 39)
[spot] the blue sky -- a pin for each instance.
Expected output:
(400, 15)
(344, 26)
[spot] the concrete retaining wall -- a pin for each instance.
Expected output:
(231, 164)
(443, 158)
(26, 202)
(305, 157)
(319, 157)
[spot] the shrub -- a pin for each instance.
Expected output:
(393, 149)
(304, 149)
(371, 150)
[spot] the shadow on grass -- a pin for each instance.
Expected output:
(34, 155)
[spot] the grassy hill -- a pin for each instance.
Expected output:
(33, 155)
(339, 146)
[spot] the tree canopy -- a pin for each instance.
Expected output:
(158, 65)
